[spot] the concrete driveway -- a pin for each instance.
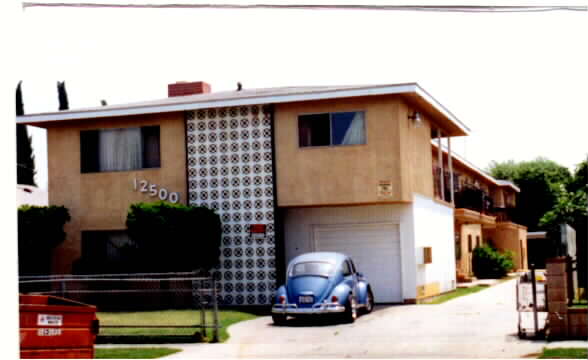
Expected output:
(481, 325)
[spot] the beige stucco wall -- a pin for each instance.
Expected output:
(464, 263)
(513, 237)
(100, 201)
(341, 175)
(416, 165)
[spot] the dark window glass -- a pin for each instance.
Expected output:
(314, 130)
(348, 128)
(457, 246)
(352, 266)
(120, 149)
(341, 128)
(89, 151)
(346, 269)
(470, 243)
(151, 157)
(106, 251)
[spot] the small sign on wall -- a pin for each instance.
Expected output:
(257, 229)
(385, 189)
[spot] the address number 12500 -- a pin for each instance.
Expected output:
(155, 190)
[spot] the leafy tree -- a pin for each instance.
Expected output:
(568, 208)
(538, 180)
(174, 237)
(62, 96)
(25, 160)
(580, 179)
(571, 208)
(40, 230)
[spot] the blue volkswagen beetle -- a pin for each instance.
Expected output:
(322, 283)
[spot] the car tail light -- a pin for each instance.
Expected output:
(334, 298)
(282, 299)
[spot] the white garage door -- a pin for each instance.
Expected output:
(375, 249)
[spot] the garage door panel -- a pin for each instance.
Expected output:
(374, 248)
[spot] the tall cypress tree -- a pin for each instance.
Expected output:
(62, 96)
(25, 160)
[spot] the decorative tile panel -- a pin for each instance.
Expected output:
(230, 171)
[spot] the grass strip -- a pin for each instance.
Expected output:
(564, 353)
(165, 317)
(133, 353)
(454, 294)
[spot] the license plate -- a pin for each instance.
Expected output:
(306, 299)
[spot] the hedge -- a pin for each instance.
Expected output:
(174, 237)
(489, 263)
(40, 230)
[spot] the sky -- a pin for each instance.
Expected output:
(518, 81)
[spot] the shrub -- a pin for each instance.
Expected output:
(40, 230)
(489, 263)
(174, 237)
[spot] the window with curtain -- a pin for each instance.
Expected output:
(120, 149)
(105, 251)
(332, 129)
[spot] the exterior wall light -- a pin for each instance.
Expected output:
(416, 119)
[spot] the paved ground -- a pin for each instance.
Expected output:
(481, 325)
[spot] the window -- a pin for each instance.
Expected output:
(352, 266)
(341, 128)
(346, 269)
(106, 250)
(312, 268)
(470, 243)
(478, 242)
(119, 149)
(457, 246)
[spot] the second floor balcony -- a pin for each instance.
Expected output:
(478, 202)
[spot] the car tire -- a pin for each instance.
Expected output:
(369, 304)
(350, 313)
(279, 319)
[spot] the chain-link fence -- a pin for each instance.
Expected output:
(138, 292)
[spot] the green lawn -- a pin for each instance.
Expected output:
(166, 317)
(564, 353)
(133, 353)
(455, 294)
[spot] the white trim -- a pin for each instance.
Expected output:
(249, 100)
(442, 109)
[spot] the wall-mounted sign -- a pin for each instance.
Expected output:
(155, 190)
(385, 188)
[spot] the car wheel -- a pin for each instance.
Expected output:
(279, 319)
(369, 305)
(350, 310)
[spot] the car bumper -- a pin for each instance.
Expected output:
(293, 309)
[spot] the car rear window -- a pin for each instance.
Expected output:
(312, 268)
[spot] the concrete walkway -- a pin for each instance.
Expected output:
(481, 325)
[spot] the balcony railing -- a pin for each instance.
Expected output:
(469, 196)
(446, 183)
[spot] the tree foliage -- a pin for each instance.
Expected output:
(174, 237)
(40, 230)
(25, 160)
(538, 180)
(568, 208)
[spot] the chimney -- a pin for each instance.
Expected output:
(182, 88)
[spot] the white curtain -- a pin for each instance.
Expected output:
(355, 134)
(120, 149)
